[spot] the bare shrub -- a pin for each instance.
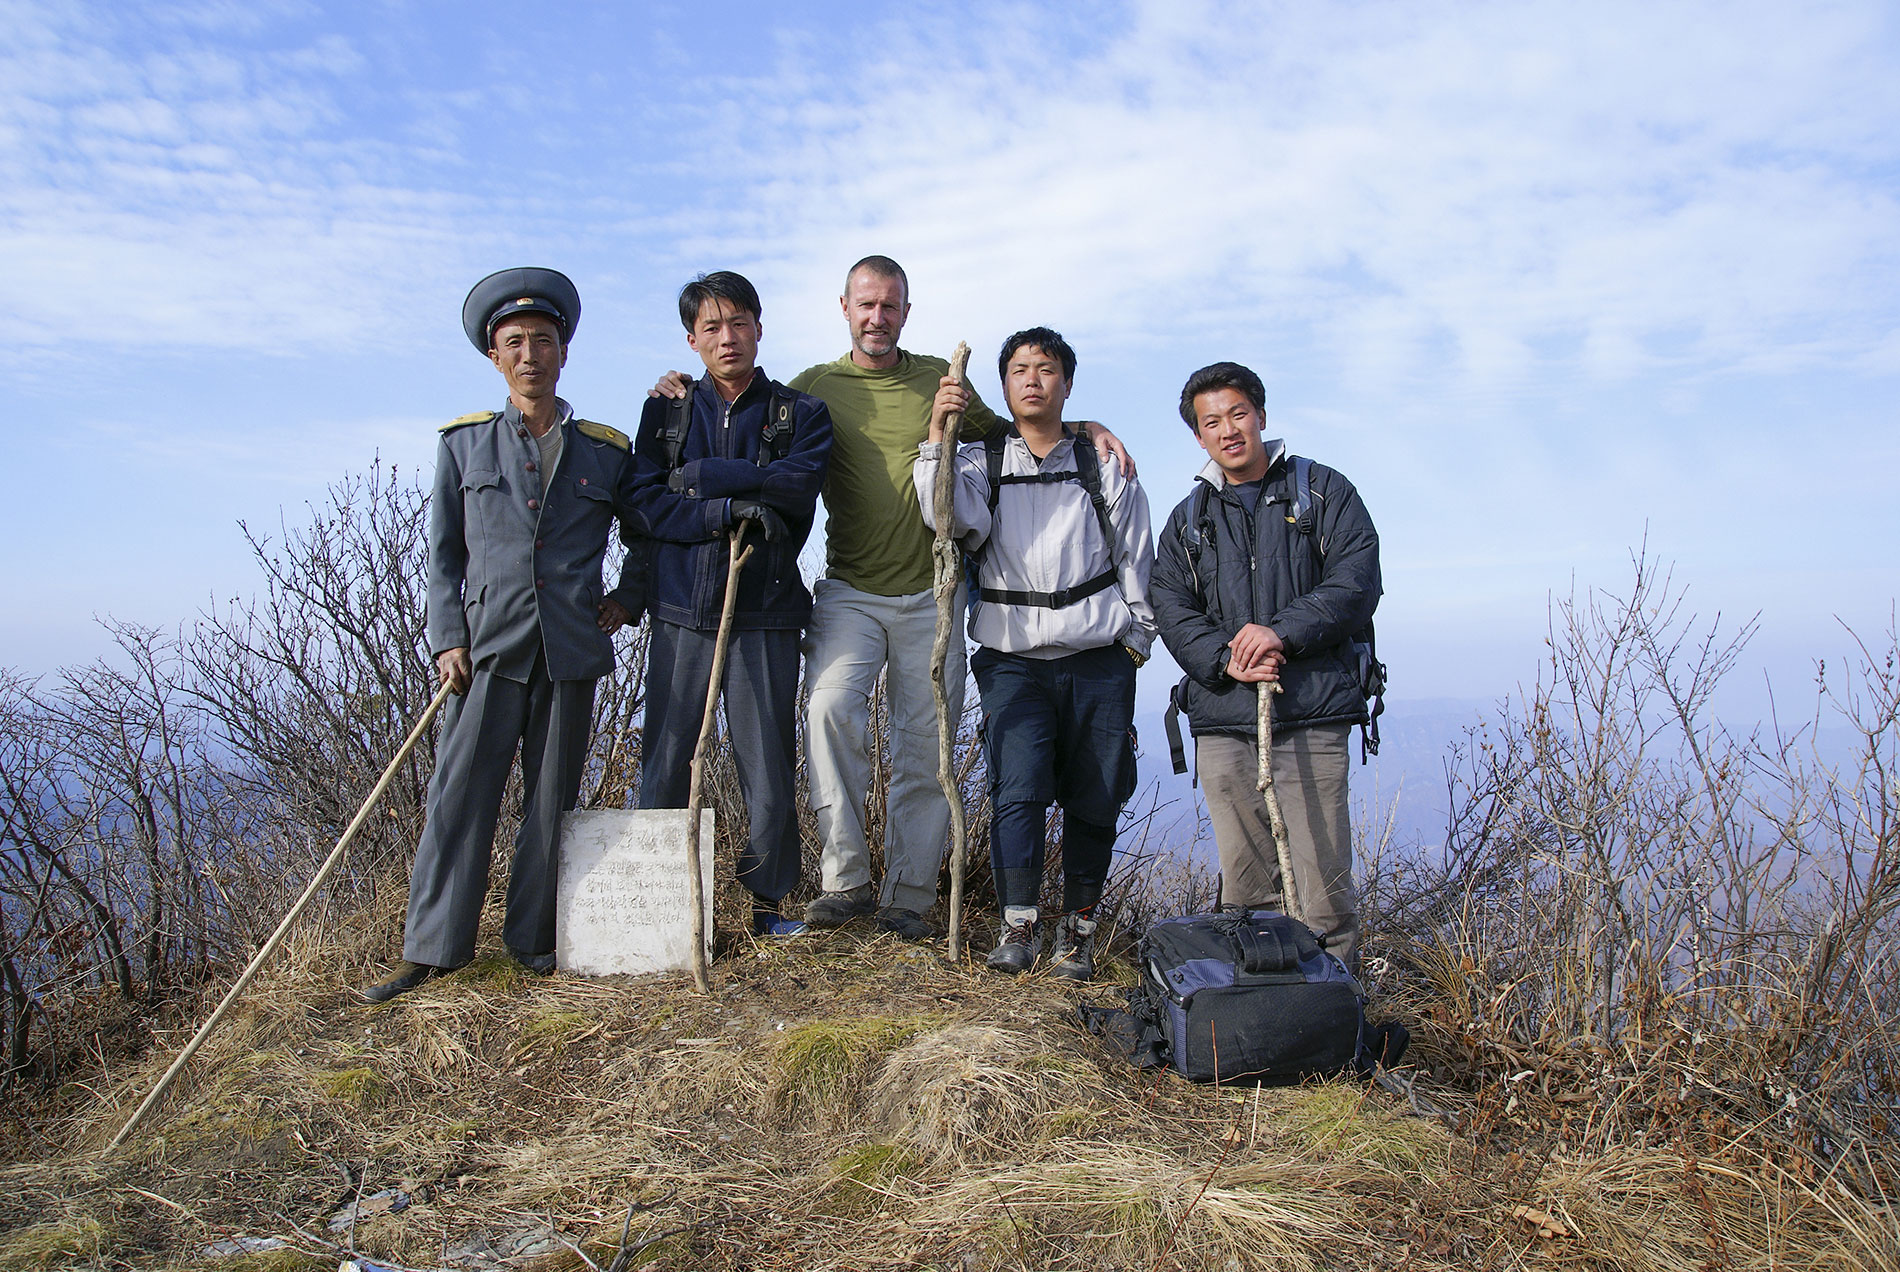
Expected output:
(1643, 928)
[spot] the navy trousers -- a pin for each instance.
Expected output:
(1056, 730)
(761, 697)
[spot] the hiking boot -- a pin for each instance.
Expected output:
(908, 924)
(1074, 954)
(535, 964)
(1016, 950)
(405, 977)
(835, 909)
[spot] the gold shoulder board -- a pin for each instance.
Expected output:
(473, 417)
(601, 433)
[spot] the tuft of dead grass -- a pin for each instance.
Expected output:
(1142, 1202)
(977, 1088)
(56, 1243)
(360, 1086)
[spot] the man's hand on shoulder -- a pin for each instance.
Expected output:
(673, 384)
(1109, 447)
(453, 666)
(612, 616)
(952, 399)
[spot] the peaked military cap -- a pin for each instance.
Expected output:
(520, 291)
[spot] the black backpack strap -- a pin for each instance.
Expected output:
(1305, 518)
(1194, 535)
(679, 420)
(1177, 750)
(777, 434)
(1062, 597)
(1088, 471)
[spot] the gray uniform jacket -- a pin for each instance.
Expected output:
(514, 568)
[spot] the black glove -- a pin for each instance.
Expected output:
(770, 523)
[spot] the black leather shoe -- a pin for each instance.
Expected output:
(404, 978)
(539, 964)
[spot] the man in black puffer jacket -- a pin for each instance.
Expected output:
(1260, 577)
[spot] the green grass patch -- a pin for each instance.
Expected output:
(491, 972)
(823, 1064)
(57, 1244)
(861, 1176)
(551, 1031)
(275, 1261)
(360, 1087)
(1336, 1120)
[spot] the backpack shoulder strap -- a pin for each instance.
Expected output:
(777, 435)
(1305, 517)
(993, 465)
(1088, 470)
(679, 419)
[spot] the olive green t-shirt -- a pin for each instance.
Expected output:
(876, 540)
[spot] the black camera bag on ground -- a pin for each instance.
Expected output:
(1244, 995)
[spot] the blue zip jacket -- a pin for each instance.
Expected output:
(689, 516)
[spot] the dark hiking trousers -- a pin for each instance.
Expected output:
(1056, 730)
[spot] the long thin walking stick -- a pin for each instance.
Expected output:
(947, 571)
(702, 976)
(1289, 893)
(269, 947)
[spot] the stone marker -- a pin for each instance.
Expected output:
(624, 902)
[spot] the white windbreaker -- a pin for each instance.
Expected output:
(1046, 538)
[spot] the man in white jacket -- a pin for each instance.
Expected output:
(1061, 618)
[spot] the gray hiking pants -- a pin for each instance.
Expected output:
(1309, 775)
(549, 720)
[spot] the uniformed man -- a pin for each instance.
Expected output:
(524, 498)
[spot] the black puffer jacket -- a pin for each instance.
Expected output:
(1314, 590)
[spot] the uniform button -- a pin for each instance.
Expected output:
(540, 582)
(583, 481)
(531, 465)
(537, 543)
(533, 504)
(521, 432)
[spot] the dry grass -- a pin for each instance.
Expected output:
(834, 1105)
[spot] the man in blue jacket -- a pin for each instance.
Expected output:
(1260, 577)
(741, 448)
(523, 501)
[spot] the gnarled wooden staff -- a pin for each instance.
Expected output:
(1289, 894)
(946, 573)
(736, 559)
(269, 947)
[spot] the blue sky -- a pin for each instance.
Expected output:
(1540, 278)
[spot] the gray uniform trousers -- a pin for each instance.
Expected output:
(550, 721)
(1309, 775)
(761, 696)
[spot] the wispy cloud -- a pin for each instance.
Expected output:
(1498, 192)
(187, 177)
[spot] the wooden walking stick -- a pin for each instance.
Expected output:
(1289, 893)
(702, 977)
(947, 571)
(269, 947)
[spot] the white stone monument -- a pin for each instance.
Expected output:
(624, 904)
